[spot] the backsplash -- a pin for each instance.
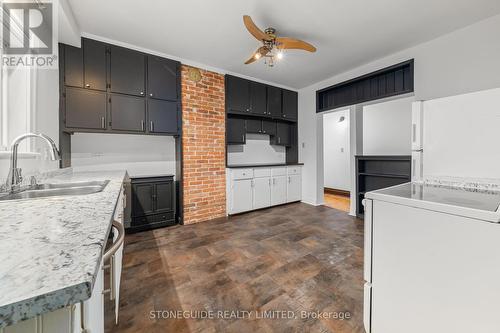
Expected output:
(257, 150)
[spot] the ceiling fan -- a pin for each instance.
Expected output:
(273, 45)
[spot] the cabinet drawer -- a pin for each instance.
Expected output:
(152, 219)
(261, 172)
(278, 171)
(293, 170)
(242, 173)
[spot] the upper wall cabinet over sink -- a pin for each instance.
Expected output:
(111, 89)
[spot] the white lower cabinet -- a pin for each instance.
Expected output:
(262, 187)
(241, 195)
(261, 192)
(294, 188)
(278, 190)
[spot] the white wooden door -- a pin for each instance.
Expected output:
(294, 188)
(261, 192)
(278, 190)
(241, 196)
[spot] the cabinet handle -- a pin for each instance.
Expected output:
(142, 93)
(279, 139)
(142, 125)
(103, 122)
(289, 180)
(151, 95)
(87, 85)
(269, 181)
(243, 137)
(284, 116)
(252, 183)
(274, 181)
(151, 126)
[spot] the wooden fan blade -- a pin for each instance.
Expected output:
(254, 30)
(261, 50)
(290, 43)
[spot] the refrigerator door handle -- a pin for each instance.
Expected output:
(367, 271)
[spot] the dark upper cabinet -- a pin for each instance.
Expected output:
(235, 131)
(139, 93)
(164, 196)
(127, 71)
(73, 66)
(269, 127)
(261, 126)
(128, 113)
(84, 109)
(163, 117)
(163, 78)
(94, 63)
(142, 199)
(290, 104)
(283, 134)
(253, 126)
(237, 94)
(85, 67)
(274, 101)
(258, 97)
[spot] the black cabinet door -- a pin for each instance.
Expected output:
(164, 200)
(283, 134)
(142, 199)
(73, 66)
(163, 116)
(254, 126)
(269, 127)
(94, 64)
(128, 113)
(258, 103)
(290, 104)
(127, 71)
(162, 78)
(235, 131)
(238, 94)
(85, 108)
(274, 101)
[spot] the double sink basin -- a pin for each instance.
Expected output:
(57, 189)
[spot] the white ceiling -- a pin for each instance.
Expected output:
(347, 33)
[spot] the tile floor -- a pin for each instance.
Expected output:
(293, 258)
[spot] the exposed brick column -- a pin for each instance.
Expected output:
(203, 135)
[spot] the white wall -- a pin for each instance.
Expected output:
(463, 61)
(336, 150)
(387, 128)
(138, 154)
(257, 150)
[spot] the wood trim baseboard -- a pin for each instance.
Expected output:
(337, 192)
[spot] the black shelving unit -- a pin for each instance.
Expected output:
(377, 172)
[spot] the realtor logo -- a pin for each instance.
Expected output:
(28, 36)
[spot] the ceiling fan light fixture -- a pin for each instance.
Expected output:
(257, 56)
(279, 55)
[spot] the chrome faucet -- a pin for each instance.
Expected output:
(15, 178)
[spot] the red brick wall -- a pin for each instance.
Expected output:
(203, 127)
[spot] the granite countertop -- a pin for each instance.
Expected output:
(234, 166)
(51, 248)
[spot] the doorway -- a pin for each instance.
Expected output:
(337, 160)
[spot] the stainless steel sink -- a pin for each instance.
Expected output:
(52, 190)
